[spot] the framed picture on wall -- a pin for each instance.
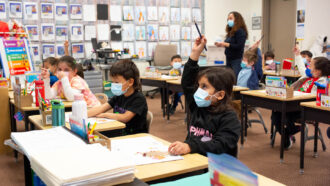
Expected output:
(256, 23)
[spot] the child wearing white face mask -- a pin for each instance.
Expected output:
(129, 104)
(213, 125)
(69, 84)
(269, 61)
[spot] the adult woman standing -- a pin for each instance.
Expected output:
(235, 41)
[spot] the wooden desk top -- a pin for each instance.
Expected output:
(238, 88)
(272, 73)
(155, 171)
(67, 104)
(175, 82)
(160, 79)
(312, 104)
(262, 94)
(37, 121)
(264, 181)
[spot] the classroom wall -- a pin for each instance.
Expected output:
(316, 21)
(216, 12)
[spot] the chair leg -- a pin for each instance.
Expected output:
(261, 119)
(324, 147)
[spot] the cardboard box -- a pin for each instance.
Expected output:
(22, 100)
(279, 92)
(104, 141)
(46, 117)
(325, 100)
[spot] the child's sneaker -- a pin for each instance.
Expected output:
(287, 142)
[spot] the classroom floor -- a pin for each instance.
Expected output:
(256, 154)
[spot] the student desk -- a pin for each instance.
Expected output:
(160, 83)
(114, 125)
(204, 179)
(259, 98)
(28, 111)
(311, 112)
(155, 171)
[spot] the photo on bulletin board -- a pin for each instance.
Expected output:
(47, 11)
(153, 32)
(128, 13)
(151, 48)
(102, 12)
(30, 11)
(185, 16)
(75, 11)
(78, 50)
(59, 50)
(3, 14)
(61, 12)
(163, 33)
(152, 13)
(140, 48)
(61, 33)
(130, 47)
(185, 33)
(185, 49)
(77, 32)
(175, 32)
(301, 16)
(115, 13)
(175, 15)
(164, 13)
(140, 32)
(114, 35)
(15, 9)
(140, 15)
(33, 32)
(47, 32)
(256, 23)
(128, 32)
(89, 49)
(35, 50)
(48, 50)
(194, 32)
(196, 13)
(177, 46)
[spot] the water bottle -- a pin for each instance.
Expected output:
(278, 68)
(79, 108)
(39, 89)
(58, 114)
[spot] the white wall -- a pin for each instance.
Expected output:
(216, 12)
(316, 21)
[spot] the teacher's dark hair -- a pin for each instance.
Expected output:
(238, 23)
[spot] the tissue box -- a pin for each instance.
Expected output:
(325, 100)
(275, 81)
(279, 92)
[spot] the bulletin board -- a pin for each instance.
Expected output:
(144, 24)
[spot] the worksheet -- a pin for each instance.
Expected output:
(143, 150)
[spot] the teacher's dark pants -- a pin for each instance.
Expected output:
(235, 65)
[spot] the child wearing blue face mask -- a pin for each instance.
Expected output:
(248, 77)
(303, 60)
(176, 63)
(129, 104)
(213, 125)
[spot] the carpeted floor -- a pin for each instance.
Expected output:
(257, 153)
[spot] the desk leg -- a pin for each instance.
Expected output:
(242, 121)
(302, 141)
(282, 130)
(162, 101)
(167, 102)
(27, 172)
(26, 121)
(13, 123)
(316, 139)
(245, 120)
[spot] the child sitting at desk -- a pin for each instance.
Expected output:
(303, 61)
(129, 104)
(50, 63)
(176, 63)
(69, 83)
(247, 76)
(320, 69)
(213, 126)
(269, 60)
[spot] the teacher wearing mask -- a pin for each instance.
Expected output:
(235, 41)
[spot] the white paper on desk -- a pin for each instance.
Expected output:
(90, 32)
(91, 120)
(298, 93)
(115, 13)
(3, 10)
(89, 12)
(140, 150)
(103, 32)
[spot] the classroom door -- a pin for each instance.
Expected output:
(279, 27)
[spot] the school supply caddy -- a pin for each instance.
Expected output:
(278, 87)
(227, 170)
